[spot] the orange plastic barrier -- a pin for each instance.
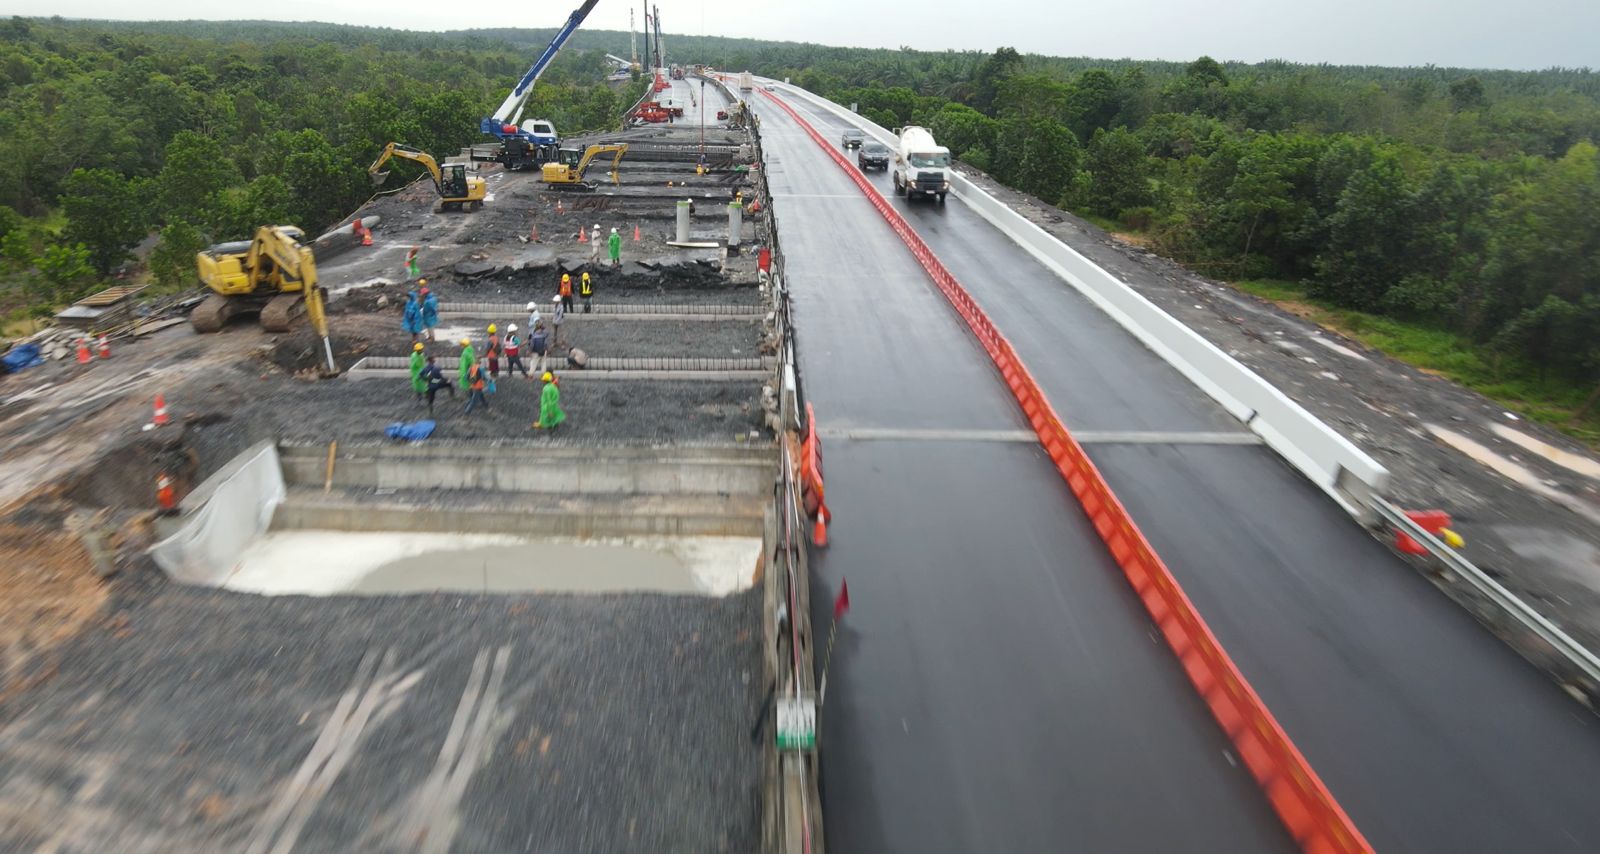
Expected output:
(812, 492)
(1304, 805)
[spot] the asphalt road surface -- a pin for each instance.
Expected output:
(996, 686)
(1431, 733)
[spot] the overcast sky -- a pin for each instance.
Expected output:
(1471, 33)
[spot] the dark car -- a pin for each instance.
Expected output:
(852, 139)
(873, 155)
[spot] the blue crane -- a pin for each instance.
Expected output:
(505, 123)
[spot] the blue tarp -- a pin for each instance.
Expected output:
(416, 431)
(22, 356)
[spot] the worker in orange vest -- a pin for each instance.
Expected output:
(566, 290)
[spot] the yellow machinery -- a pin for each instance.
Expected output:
(456, 188)
(570, 164)
(274, 275)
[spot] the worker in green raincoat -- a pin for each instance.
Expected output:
(468, 357)
(550, 414)
(418, 362)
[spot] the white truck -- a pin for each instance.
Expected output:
(747, 82)
(921, 166)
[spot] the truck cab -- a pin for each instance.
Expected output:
(921, 165)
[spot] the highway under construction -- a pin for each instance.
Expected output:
(1109, 588)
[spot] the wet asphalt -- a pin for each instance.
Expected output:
(1431, 733)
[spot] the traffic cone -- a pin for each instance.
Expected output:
(581, 238)
(533, 233)
(636, 233)
(161, 417)
(366, 235)
(105, 347)
(166, 496)
(83, 351)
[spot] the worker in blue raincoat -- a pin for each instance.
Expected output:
(411, 320)
(430, 310)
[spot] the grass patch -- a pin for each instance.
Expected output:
(1508, 382)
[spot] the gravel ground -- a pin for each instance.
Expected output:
(178, 721)
(601, 337)
(284, 407)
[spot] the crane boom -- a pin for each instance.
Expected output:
(510, 111)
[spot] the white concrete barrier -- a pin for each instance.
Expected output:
(1330, 460)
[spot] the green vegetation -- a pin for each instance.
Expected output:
(190, 133)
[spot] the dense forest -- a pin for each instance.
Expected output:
(173, 136)
(1447, 212)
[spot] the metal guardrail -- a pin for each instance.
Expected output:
(1509, 603)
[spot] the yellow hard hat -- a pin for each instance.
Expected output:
(417, 346)
(548, 376)
(422, 281)
(466, 342)
(566, 277)
(491, 327)
(586, 275)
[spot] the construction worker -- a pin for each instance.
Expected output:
(539, 345)
(513, 345)
(477, 384)
(468, 357)
(594, 246)
(586, 290)
(412, 269)
(556, 317)
(418, 385)
(411, 318)
(533, 317)
(564, 295)
(492, 351)
(430, 310)
(614, 247)
(433, 380)
(550, 414)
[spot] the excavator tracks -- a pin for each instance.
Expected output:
(281, 311)
(212, 313)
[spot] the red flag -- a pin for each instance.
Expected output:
(841, 603)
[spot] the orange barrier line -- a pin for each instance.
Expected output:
(1304, 805)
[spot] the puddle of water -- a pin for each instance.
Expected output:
(322, 563)
(1576, 463)
(1514, 472)
(1577, 560)
(1338, 348)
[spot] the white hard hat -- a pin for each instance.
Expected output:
(557, 299)
(511, 328)
(613, 229)
(532, 306)
(597, 225)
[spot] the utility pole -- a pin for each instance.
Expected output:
(648, 68)
(633, 40)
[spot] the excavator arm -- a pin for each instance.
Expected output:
(616, 149)
(277, 256)
(405, 152)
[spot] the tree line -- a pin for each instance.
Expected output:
(1458, 200)
(178, 135)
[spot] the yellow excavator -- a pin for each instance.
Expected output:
(274, 275)
(456, 188)
(570, 164)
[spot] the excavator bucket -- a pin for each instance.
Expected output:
(378, 178)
